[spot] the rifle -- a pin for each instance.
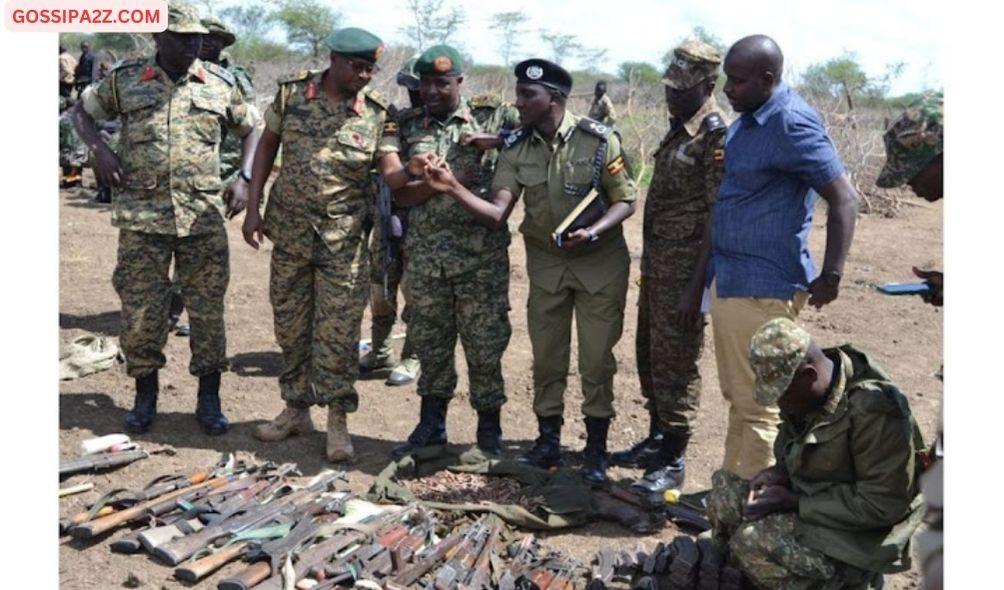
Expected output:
(384, 203)
(603, 573)
(176, 551)
(411, 574)
(480, 578)
(522, 558)
(99, 461)
(458, 565)
(541, 578)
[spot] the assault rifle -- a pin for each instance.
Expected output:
(384, 203)
(100, 461)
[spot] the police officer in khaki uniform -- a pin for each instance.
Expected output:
(169, 203)
(670, 336)
(553, 161)
(332, 131)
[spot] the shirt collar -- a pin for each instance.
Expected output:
(564, 131)
(315, 90)
(196, 72)
(462, 112)
(693, 124)
(777, 99)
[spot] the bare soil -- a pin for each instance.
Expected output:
(902, 333)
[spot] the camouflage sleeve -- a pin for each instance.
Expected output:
(506, 117)
(388, 142)
(611, 113)
(714, 164)
(99, 99)
(505, 174)
(273, 118)
(615, 179)
(240, 121)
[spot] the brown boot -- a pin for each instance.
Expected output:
(291, 421)
(339, 444)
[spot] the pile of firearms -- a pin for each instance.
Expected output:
(314, 536)
(682, 564)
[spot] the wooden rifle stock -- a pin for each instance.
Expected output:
(200, 568)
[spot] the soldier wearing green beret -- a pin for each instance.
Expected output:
(170, 203)
(458, 269)
(333, 131)
(554, 161)
(840, 505)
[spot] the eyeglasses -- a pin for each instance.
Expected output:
(359, 66)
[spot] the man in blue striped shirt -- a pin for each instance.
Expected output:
(778, 158)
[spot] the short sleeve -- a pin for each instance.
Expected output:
(505, 174)
(273, 119)
(240, 120)
(714, 165)
(99, 99)
(388, 142)
(615, 179)
(808, 151)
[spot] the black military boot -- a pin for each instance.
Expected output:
(139, 419)
(670, 469)
(594, 456)
(431, 429)
(644, 450)
(490, 431)
(546, 451)
(207, 409)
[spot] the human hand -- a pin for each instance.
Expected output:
(769, 500)
(771, 476)
(481, 141)
(439, 177)
(576, 238)
(822, 291)
(252, 228)
(236, 196)
(936, 280)
(418, 162)
(688, 308)
(108, 167)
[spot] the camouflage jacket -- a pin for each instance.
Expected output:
(602, 110)
(688, 169)
(327, 153)
(170, 143)
(443, 237)
(855, 465)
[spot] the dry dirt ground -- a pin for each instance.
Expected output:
(903, 334)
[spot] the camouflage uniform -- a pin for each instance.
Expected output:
(232, 147)
(688, 170)
(852, 463)
(319, 284)
(458, 269)
(602, 110)
(72, 151)
(170, 203)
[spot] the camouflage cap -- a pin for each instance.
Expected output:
(184, 18)
(353, 42)
(776, 351)
(693, 61)
(216, 27)
(440, 60)
(912, 141)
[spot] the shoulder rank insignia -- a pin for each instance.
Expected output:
(378, 98)
(297, 77)
(595, 127)
(616, 166)
(719, 155)
(220, 72)
(713, 122)
(482, 101)
(390, 127)
(513, 137)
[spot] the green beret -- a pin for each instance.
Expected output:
(440, 60)
(216, 27)
(184, 18)
(353, 42)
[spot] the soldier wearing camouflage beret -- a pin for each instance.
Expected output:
(838, 508)
(170, 203)
(458, 269)
(554, 161)
(688, 169)
(333, 131)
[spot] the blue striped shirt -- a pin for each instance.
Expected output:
(774, 157)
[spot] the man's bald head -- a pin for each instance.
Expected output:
(753, 69)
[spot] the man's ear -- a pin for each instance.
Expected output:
(806, 377)
(769, 78)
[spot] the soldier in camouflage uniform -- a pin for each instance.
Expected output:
(458, 269)
(169, 203)
(914, 156)
(838, 508)
(602, 109)
(383, 305)
(72, 151)
(688, 170)
(332, 131)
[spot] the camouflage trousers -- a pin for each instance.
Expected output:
(318, 303)
(666, 354)
(768, 550)
(473, 306)
(231, 151)
(383, 305)
(141, 281)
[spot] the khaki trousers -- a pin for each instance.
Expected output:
(752, 428)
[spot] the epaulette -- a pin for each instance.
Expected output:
(220, 72)
(297, 77)
(513, 137)
(409, 113)
(378, 98)
(595, 128)
(485, 101)
(713, 122)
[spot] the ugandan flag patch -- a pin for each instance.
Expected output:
(390, 128)
(719, 155)
(616, 166)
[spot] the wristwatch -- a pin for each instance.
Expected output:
(831, 277)
(244, 176)
(592, 235)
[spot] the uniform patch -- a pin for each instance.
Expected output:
(311, 92)
(719, 155)
(616, 166)
(148, 74)
(358, 139)
(378, 52)
(442, 64)
(390, 128)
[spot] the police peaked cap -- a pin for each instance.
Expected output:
(545, 73)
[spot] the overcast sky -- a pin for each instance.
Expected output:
(879, 32)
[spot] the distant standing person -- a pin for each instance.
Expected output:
(87, 68)
(67, 70)
(602, 109)
(670, 336)
(778, 157)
